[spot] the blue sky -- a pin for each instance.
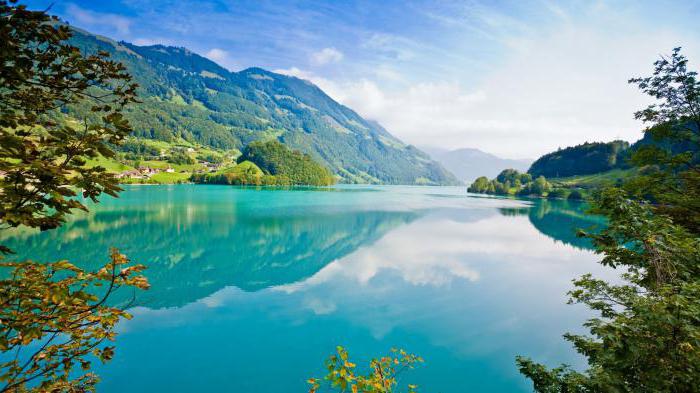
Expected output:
(514, 78)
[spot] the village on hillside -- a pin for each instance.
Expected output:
(146, 172)
(144, 162)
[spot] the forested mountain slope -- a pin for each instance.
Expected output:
(582, 159)
(186, 96)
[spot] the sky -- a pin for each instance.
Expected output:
(514, 78)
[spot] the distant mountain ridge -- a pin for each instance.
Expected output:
(186, 96)
(468, 164)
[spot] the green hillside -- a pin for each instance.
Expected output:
(273, 158)
(186, 97)
(584, 159)
(575, 171)
(596, 180)
(270, 164)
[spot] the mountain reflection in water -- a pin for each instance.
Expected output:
(194, 247)
(241, 276)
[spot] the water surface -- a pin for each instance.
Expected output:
(253, 289)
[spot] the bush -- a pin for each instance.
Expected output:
(480, 185)
(180, 158)
(559, 193)
(576, 195)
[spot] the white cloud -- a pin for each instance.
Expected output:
(388, 73)
(328, 86)
(320, 306)
(216, 54)
(222, 58)
(326, 56)
(421, 264)
(554, 87)
(393, 46)
(88, 19)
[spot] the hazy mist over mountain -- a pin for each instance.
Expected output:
(468, 164)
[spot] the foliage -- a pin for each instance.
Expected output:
(245, 173)
(42, 160)
(512, 175)
(597, 181)
(275, 159)
(576, 195)
(179, 157)
(671, 139)
(539, 186)
(582, 159)
(559, 193)
(480, 185)
(646, 337)
(138, 148)
(672, 176)
(382, 377)
(51, 309)
(677, 94)
(212, 157)
(511, 182)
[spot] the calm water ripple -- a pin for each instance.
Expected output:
(252, 289)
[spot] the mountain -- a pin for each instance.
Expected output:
(266, 247)
(468, 164)
(188, 97)
(584, 159)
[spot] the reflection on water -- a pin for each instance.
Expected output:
(559, 220)
(244, 278)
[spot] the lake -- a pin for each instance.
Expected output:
(253, 289)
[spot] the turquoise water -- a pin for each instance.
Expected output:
(253, 289)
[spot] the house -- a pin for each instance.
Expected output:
(210, 166)
(134, 174)
(147, 171)
(170, 170)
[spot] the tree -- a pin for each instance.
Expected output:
(581, 159)
(508, 175)
(558, 193)
(540, 186)
(671, 179)
(480, 185)
(274, 158)
(499, 187)
(54, 307)
(382, 377)
(576, 195)
(180, 157)
(677, 92)
(52, 316)
(646, 337)
(42, 155)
